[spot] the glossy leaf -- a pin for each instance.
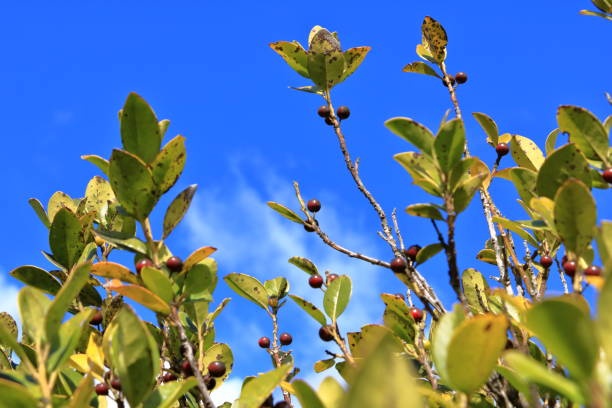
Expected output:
(325, 59)
(140, 132)
(285, 212)
(337, 297)
(111, 270)
(353, 57)
(293, 54)
(100, 162)
(575, 215)
(123, 241)
(40, 211)
(33, 306)
(177, 209)
(428, 251)
(37, 278)
(551, 141)
(420, 67)
(157, 282)
(442, 335)
(489, 126)
(248, 287)
(526, 153)
(169, 164)
(140, 295)
(524, 181)
(475, 289)
(487, 255)
(567, 331)
(58, 201)
(67, 340)
(306, 395)
(304, 264)
(98, 193)
(255, 392)
(166, 395)
(397, 318)
(323, 365)
(449, 144)
(413, 132)
(423, 171)
(277, 287)
(201, 280)
(425, 210)
(434, 39)
(198, 256)
(311, 309)
(464, 193)
(517, 229)
(66, 238)
(564, 163)
(585, 130)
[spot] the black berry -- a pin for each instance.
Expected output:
(210, 382)
(343, 112)
(101, 389)
(186, 368)
(168, 377)
(307, 226)
(285, 339)
(217, 368)
(445, 82)
(546, 261)
(314, 205)
(264, 342)
(398, 265)
(174, 263)
(329, 121)
(282, 404)
(143, 263)
(268, 403)
(325, 333)
(461, 77)
(323, 111)
(97, 318)
(502, 149)
(315, 281)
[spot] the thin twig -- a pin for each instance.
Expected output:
(274, 351)
(398, 234)
(562, 276)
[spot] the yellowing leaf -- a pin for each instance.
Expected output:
(140, 295)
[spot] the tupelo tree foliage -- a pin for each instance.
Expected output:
(505, 345)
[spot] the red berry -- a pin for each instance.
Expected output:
(343, 112)
(570, 268)
(325, 333)
(331, 277)
(315, 281)
(323, 111)
(216, 368)
(607, 175)
(445, 82)
(101, 389)
(285, 339)
(546, 261)
(174, 263)
(282, 404)
(186, 368)
(168, 377)
(143, 263)
(502, 149)
(412, 252)
(461, 77)
(398, 265)
(593, 270)
(116, 384)
(209, 382)
(314, 205)
(417, 314)
(564, 259)
(307, 226)
(97, 318)
(329, 121)
(268, 403)
(264, 342)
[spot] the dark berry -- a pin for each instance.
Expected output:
(168, 377)
(174, 263)
(546, 261)
(210, 383)
(593, 270)
(116, 384)
(282, 404)
(315, 281)
(570, 268)
(264, 342)
(398, 265)
(323, 111)
(331, 277)
(285, 339)
(101, 389)
(143, 263)
(400, 296)
(564, 259)
(273, 301)
(329, 121)
(412, 252)
(97, 318)
(461, 77)
(502, 149)
(186, 368)
(307, 226)
(325, 333)
(314, 205)
(217, 368)
(343, 112)
(607, 175)
(445, 82)
(417, 314)
(268, 403)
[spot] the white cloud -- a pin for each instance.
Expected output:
(228, 391)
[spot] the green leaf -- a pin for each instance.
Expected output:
(524, 181)
(166, 395)
(249, 288)
(140, 132)
(331, 392)
(464, 193)
(489, 126)
(337, 297)
(309, 89)
(277, 287)
(15, 395)
(58, 201)
(382, 380)
(413, 132)
(604, 243)
(124, 241)
(427, 252)
(604, 317)
(304, 264)
(326, 62)
(157, 282)
(66, 341)
(98, 161)
(285, 212)
(111, 270)
(98, 194)
(70, 289)
(40, 211)
(420, 67)
(306, 395)
(133, 184)
(134, 356)
(531, 371)
(585, 130)
(473, 351)
(575, 216)
(33, 306)
(255, 392)
(323, 365)
(487, 255)
(66, 238)
(425, 210)
(517, 229)
(567, 331)
(434, 39)
(37, 278)
(140, 295)
(397, 318)
(201, 280)
(294, 54)
(353, 57)
(169, 164)
(177, 209)
(198, 256)
(423, 170)
(311, 309)
(475, 288)
(564, 163)
(441, 339)
(526, 153)
(551, 141)
(219, 352)
(449, 144)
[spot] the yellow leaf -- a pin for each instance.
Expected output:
(197, 256)
(113, 270)
(140, 295)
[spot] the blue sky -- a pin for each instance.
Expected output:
(207, 67)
